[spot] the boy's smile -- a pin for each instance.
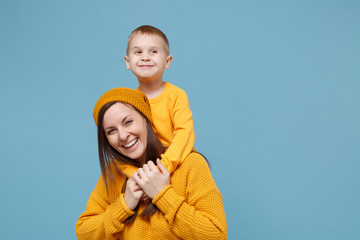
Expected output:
(147, 57)
(146, 66)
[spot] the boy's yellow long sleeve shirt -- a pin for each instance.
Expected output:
(190, 208)
(174, 127)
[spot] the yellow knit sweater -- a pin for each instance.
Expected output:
(190, 208)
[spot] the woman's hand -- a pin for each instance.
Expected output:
(151, 180)
(132, 194)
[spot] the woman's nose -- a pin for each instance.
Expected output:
(123, 135)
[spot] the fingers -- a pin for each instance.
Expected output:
(145, 198)
(162, 167)
(151, 166)
(133, 185)
(136, 188)
(152, 179)
(132, 197)
(140, 177)
(146, 168)
(141, 174)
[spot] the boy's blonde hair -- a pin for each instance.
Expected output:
(147, 29)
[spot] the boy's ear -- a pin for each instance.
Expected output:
(127, 62)
(168, 61)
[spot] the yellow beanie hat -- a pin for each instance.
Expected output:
(133, 97)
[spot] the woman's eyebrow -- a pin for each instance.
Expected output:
(108, 128)
(122, 122)
(125, 118)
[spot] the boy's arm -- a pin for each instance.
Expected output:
(127, 169)
(184, 135)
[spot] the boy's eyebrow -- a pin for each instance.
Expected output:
(140, 47)
(134, 47)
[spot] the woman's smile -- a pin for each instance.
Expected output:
(126, 131)
(131, 144)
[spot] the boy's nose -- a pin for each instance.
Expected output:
(145, 57)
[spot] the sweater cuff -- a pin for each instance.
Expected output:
(165, 199)
(122, 201)
(120, 209)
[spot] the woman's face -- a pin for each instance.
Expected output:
(125, 130)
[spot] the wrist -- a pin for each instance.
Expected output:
(124, 205)
(129, 204)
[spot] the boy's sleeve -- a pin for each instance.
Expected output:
(184, 135)
(127, 169)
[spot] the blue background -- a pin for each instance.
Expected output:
(273, 86)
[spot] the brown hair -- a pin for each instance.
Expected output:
(107, 156)
(147, 29)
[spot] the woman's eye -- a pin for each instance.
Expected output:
(128, 122)
(110, 131)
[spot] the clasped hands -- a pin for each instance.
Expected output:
(146, 183)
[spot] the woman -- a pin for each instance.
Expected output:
(151, 204)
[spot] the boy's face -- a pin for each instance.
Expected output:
(147, 57)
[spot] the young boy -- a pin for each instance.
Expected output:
(147, 55)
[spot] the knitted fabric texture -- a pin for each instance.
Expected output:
(190, 208)
(133, 97)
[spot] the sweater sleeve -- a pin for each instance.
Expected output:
(200, 214)
(184, 135)
(101, 219)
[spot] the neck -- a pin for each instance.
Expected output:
(152, 90)
(142, 159)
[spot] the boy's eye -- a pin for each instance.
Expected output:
(153, 51)
(138, 52)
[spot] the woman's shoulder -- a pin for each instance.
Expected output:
(196, 171)
(195, 160)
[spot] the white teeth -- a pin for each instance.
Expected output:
(130, 144)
